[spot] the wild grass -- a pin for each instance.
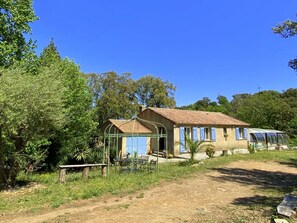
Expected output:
(43, 191)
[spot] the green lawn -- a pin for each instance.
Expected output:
(45, 191)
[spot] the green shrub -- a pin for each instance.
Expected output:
(293, 142)
(170, 156)
(232, 150)
(210, 151)
(251, 149)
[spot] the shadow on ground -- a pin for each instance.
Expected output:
(280, 181)
(291, 163)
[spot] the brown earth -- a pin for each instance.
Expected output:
(235, 193)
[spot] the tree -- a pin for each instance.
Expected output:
(224, 104)
(31, 111)
(265, 109)
(290, 97)
(203, 104)
(237, 101)
(15, 17)
(113, 96)
(50, 55)
(153, 92)
(287, 29)
(77, 100)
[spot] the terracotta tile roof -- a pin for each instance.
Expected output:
(130, 126)
(191, 117)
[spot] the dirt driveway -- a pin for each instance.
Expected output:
(235, 193)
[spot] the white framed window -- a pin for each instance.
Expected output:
(241, 133)
(208, 134)
(188, 132)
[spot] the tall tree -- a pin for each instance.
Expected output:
(237, 101)
(113, 95)
(287, 29)
(77, 100)
(50, 55)
(15, 17)
(290, 97)
(265, 109)
(205, 104)
(153, 92)
(31, 110)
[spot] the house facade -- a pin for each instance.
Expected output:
(223, 131)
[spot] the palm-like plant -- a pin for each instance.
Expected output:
(193, 147)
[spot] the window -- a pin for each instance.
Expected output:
(225, 132)
(207, 134)
(188, 134)
(162, 140)
(241, 133)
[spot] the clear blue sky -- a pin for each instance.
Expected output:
(204, 47)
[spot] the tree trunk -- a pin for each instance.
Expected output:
(13, 172)
(14, 166)
(3, 177)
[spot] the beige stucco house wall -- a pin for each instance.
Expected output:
(224, 132)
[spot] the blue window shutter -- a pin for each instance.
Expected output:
(245, 132)
(213, 134)
(182, 139)
(195, 133)
(202, 134)
(237, 133)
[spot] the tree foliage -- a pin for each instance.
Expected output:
(77, 102)
(265, 109)
(49, 55)
(153, 92)
(287, 29)
(119, 96)
(31, 110)
(205, 104)
(113, 95)
(194, 147)
(15, 17)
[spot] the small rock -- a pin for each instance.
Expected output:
(222, 189)
(201, 210)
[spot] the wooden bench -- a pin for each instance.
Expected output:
(85, 174)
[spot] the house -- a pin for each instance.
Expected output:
(127, 136)
(223, 131)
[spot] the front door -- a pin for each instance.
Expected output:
(162, 140)
(137, 145)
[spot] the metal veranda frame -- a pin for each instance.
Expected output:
(113, 134)
(267, 136)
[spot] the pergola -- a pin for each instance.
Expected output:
(113, 133)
